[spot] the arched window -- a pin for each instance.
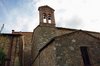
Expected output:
(44, 18)
(49, 18)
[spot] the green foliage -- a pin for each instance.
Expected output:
(2, 56)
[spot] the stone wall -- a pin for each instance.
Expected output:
(12, 47)
(47, 56)
(27, 39)
(68, 49)
(66, 53)
(42, 35)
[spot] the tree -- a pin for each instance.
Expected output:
(2, 57)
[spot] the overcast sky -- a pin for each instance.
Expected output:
(22, 15)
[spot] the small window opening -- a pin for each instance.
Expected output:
(49, 18)
(49, 21)
(44, 18)
(85, 56)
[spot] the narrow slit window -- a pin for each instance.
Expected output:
(85, 56)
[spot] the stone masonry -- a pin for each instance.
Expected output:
(56, 46)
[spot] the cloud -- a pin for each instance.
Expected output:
(79, 14)
(75, 13)
(74, 22)
(21, 18)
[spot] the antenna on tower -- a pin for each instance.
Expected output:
(1, 28)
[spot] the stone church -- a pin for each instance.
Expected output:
(55, 46)
(49, 45)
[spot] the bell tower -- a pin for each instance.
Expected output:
(46, 16)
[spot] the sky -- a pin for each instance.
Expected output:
(23, 15)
